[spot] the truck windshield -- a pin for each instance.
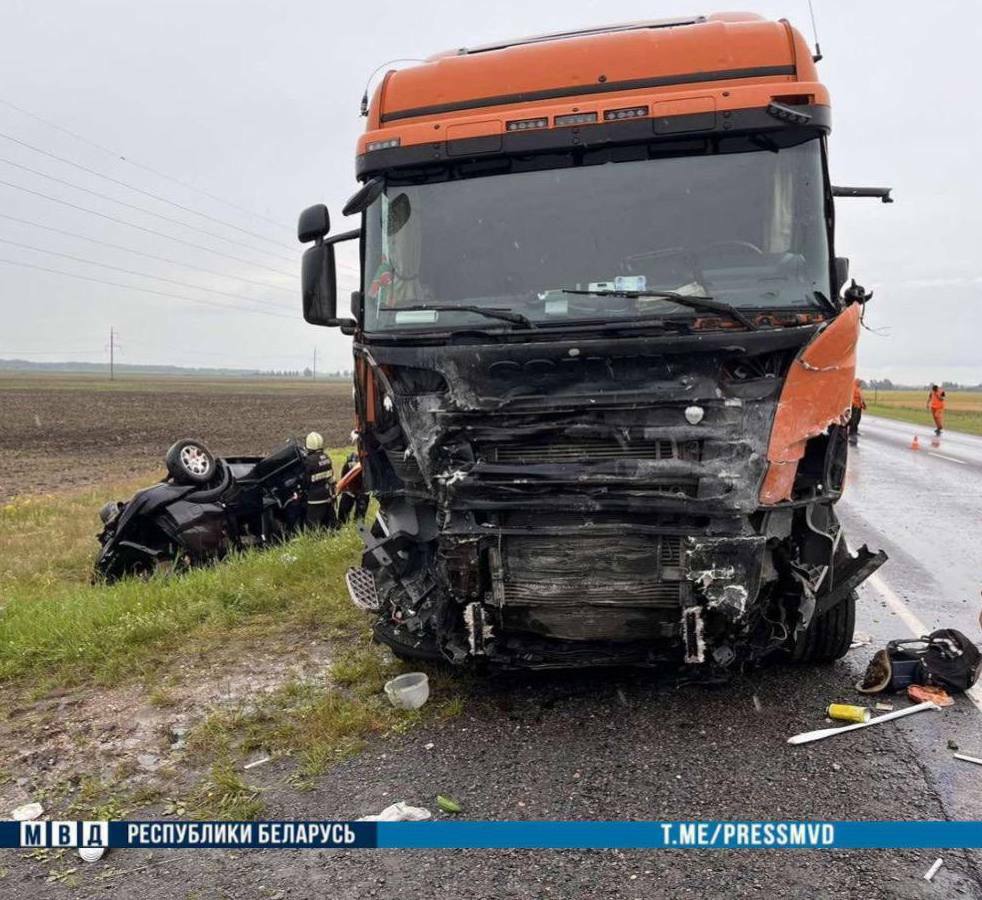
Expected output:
(747, 229)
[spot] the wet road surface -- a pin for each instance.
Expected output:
(624, 745)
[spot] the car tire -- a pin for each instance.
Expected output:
(190, 462)
(829, 636)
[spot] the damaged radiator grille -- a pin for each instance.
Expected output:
(552, 450)
(631, 570)
(589, 587)
(531, 593)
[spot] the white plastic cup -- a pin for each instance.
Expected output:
(409, 691)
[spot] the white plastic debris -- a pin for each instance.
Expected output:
(930, 873)
(27, 812)
(409, 691)
(400, 812)
(810, 736)
(92, 854)
(971, 759)
(257, 762)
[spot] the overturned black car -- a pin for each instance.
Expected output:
(208, 507)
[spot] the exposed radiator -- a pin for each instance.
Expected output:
(558, 450)
(626, 571)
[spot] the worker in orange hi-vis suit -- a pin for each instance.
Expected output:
(858, 405)
(935, 403)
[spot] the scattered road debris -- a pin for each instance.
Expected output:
(429, 746)
(757, 704)
(258, 762)
(971, 759)
(921, 692)
(448, 804)
(883, 706)
(861, 640)
(409, 691)
(952, 745)
(845, 712)
(91, 854)
(27, 812)
(400, 812)
(930, 873)
(810, 736)
(877, 677)
(944, 659)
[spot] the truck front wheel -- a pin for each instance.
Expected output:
(829, 636)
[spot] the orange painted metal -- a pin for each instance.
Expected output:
(817, 393)
(724, 43)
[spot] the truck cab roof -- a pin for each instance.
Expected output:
(702, 66)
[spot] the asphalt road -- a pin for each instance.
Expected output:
(622, 745)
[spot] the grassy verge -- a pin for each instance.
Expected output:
(57, 626)
(59, 631)
(963, 412)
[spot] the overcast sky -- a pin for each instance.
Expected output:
(256, 103)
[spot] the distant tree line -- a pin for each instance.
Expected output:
(885, 384)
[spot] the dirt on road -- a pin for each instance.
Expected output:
(58, 432)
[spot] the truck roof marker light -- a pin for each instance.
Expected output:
(526, 124)
(575, 119)
(387, 144)
(787, 114)
(628, 112)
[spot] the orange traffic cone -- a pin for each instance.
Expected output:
(916, 443)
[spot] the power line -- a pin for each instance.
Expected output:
(138, 165)
(187, 284)
(129, 287)
(141, 209)
(85, 209)
(165, 259)
(138, 190)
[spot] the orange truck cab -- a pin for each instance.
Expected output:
(602, 364)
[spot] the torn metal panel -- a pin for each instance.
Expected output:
(817, 393)
(726, 571)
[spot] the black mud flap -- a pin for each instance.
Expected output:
(848, 577)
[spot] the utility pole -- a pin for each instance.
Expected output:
(113, 347)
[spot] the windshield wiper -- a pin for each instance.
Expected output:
(696, 301)
(490, 312)
(828, 304)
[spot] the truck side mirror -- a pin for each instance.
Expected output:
(318, 285)
(314, 223)
(841, 274)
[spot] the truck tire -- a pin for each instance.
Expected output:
(829, 635)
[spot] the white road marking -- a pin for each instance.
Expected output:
(960, 462)
(916, 626)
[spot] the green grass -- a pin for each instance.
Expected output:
(57, 629)
(962, 413)
(57, 626)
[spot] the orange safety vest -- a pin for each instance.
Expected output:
(937, 400)
(857, 396)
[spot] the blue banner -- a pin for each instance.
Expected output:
(445, 834)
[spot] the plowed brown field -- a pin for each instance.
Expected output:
(57, 432)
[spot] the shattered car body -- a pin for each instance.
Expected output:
(602, 371)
